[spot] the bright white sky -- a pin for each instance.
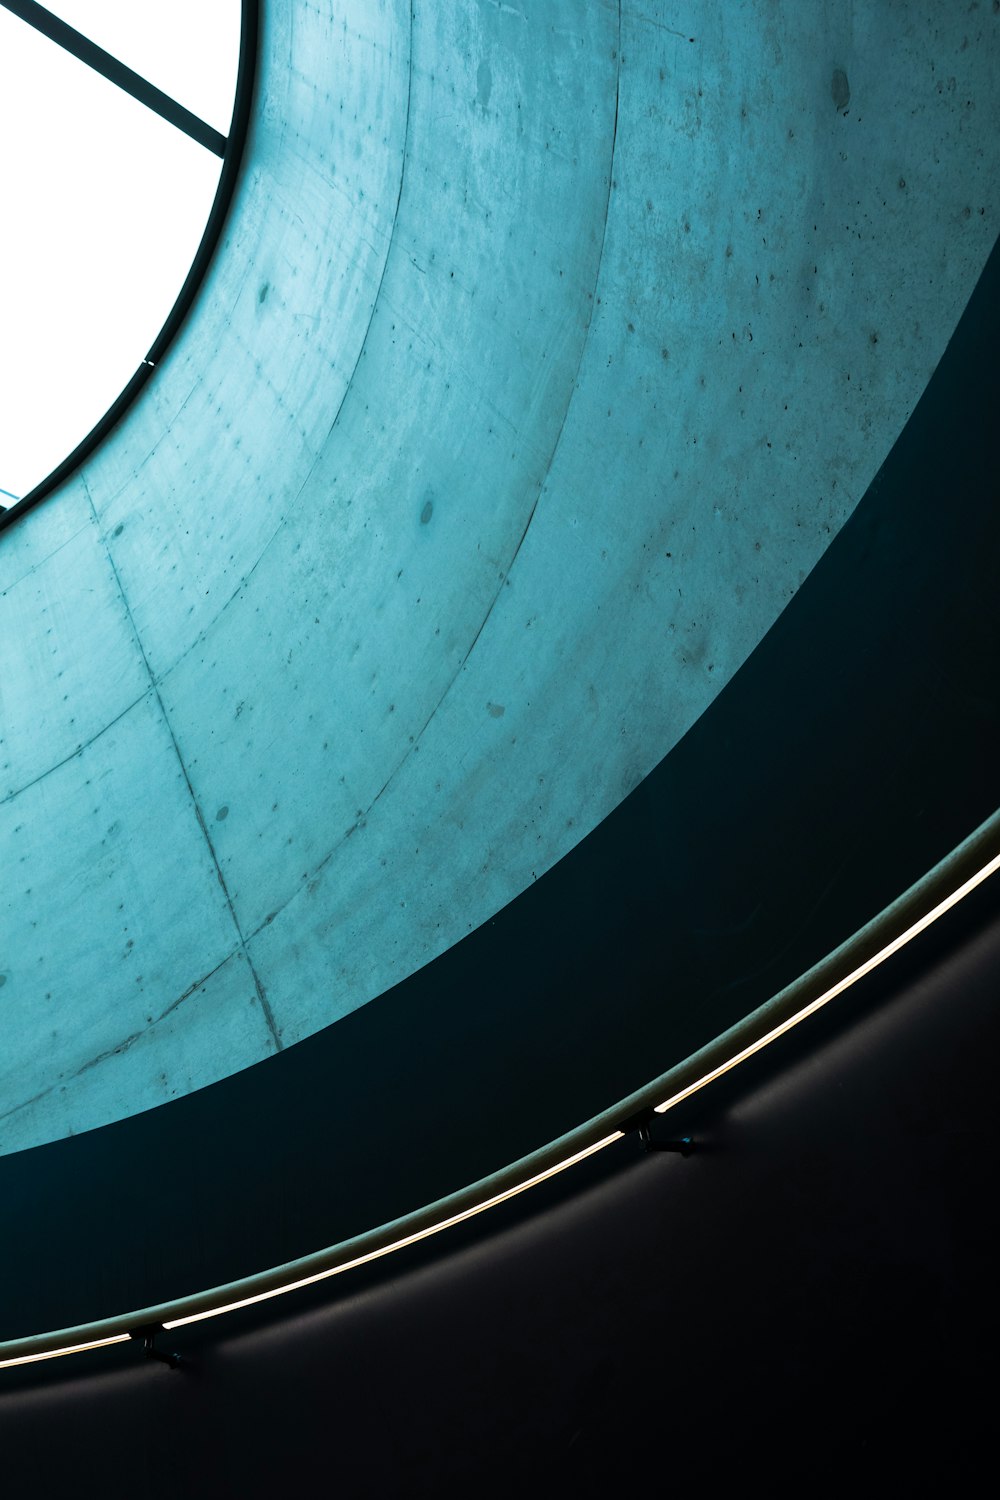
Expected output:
(102, 206)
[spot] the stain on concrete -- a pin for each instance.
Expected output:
(484, 84)
(840, 90)
(222, 814)
(262, 294)
(496, 709)
(3, 980)
(427, 512)
(630, 779)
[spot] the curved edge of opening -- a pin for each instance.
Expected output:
(246, 79)
(942, 888)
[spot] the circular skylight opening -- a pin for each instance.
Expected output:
(106, 185)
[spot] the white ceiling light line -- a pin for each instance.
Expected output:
(954, 878)
(409, 1230)
(407, 1239)
(869, 965)
(34, 1359)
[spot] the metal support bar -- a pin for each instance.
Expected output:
(116, 72)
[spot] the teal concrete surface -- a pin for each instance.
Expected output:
(545, 351)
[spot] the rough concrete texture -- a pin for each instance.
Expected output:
(545, 351)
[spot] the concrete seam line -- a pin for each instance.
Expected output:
(948, 883)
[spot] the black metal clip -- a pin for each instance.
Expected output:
(642, 1125)
(146, 1336)
(683, 1145)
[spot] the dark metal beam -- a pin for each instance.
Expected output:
(116, 72)
(242, 108)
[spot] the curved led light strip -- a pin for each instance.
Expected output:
(957, 875)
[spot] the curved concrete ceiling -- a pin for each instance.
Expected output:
(545, 352)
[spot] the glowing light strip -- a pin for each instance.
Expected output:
(709, 1076)
(407, 1239)
(32, 1359)
(836, 989)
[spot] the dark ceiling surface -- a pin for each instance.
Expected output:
(856, 747)
(803, 1305)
